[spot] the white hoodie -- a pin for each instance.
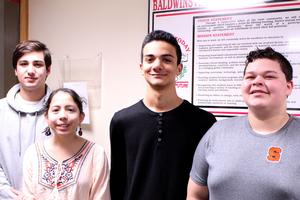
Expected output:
(20, 126)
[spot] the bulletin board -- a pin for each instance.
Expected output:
(215, 41)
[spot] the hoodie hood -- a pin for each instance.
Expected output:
(23, 124)
(37, 110)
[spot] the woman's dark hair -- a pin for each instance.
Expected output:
(77, 99)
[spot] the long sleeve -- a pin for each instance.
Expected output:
(100, 187)
(5, 191)
(118, 162)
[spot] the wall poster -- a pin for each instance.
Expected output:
(215, 41)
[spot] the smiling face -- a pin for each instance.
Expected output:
(265, 86)
(31, 72)
(159, 65)
(63, 115)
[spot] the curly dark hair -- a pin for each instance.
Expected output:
(271, 54)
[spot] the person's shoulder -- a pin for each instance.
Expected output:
(98, 151)
(129, 110)
(226, 127)
(3, 104)
(97, 147)
(196, 110)
(3, 101)
(231, 122)
(187, 105)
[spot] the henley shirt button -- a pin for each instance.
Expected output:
(160, 114)
(160, 131)
(159, 139)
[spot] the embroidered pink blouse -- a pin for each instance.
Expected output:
(85, 176)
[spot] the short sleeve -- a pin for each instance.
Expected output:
(199, 171)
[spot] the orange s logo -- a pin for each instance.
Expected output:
(274, 154)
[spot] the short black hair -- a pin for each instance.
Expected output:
(271, 54)
(160, 35)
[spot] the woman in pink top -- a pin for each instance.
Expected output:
(65, 166)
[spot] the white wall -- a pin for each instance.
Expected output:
(83, 28)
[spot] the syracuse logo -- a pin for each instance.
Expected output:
(274, 154)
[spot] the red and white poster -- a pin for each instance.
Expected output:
(215, 41)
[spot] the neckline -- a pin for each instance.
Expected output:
(282, 130)
(169, 111)
(66, 160)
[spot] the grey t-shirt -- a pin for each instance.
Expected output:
(238, 164)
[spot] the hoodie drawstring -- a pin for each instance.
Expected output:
(35, 122)
(20, 140)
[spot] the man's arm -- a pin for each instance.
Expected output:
(196, 191)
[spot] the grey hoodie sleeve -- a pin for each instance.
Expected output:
(5, 191)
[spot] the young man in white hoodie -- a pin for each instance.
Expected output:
(21, 113)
